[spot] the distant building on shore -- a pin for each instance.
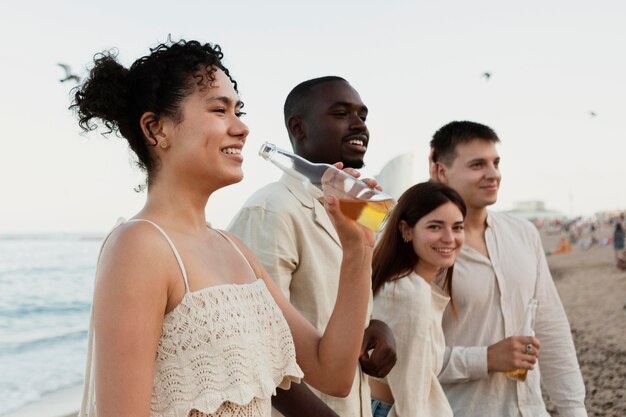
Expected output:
(610, 215)
(535, 210)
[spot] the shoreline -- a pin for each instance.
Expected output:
(61, 403)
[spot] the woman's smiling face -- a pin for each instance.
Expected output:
(436, 238)
(206, 141)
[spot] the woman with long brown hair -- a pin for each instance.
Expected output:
(419, 244)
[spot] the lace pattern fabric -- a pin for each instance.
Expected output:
(224, 343)
(222, 352)
(256, 407)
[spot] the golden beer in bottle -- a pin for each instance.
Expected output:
(528, 329)
(370, 214)
(518, 374)
(358, 201)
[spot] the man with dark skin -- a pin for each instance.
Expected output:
(286, 226)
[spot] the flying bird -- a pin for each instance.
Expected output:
(68, 74)
(592, 114)
(487, 75)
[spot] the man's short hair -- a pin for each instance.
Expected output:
(297, 100)
(446, 139)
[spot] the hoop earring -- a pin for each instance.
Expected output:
(164, 144)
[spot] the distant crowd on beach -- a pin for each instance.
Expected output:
(301, 308)
(584, 233)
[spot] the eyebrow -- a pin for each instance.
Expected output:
(483, 160)
(348, 104)
(225, 100)
(442, 222)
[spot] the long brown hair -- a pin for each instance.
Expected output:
(393, 257)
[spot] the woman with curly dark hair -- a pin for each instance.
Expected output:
(419, 244)
(185, 320)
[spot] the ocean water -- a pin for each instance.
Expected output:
(46, 287)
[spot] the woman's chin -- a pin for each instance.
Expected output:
(238, 178)
(446, 264)
(233, 179)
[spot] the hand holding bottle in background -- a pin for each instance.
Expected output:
(516, 355)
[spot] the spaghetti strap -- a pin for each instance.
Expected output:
(225, 236)
(87, 406)
(169, 241)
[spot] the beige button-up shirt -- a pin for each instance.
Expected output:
(290, 232)
(413, 309)
(491, 295)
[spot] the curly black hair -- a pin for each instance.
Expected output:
(157, 83)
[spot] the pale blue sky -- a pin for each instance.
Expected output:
(417, 66)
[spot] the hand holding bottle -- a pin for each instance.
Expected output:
(513, 353)
(358, 199)
(517, 355)
(349, 231)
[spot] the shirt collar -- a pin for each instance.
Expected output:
(489, 219)
(306, 193)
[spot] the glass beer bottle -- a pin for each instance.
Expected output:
(526, 330)
(367, 206)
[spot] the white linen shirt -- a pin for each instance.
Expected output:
(413, 309)
(290, 232)
(490, 296)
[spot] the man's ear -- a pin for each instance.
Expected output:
(297, 128)
(441, 173)
(151, 127)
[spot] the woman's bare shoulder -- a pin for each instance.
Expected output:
(135, 237)
(138, 250)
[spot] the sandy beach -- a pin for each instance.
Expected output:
(593, 292)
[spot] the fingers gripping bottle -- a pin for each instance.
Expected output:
(526, 330)
(367, 206)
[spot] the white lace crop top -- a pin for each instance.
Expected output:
(222, 352)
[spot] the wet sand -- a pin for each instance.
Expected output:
(593, 292)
